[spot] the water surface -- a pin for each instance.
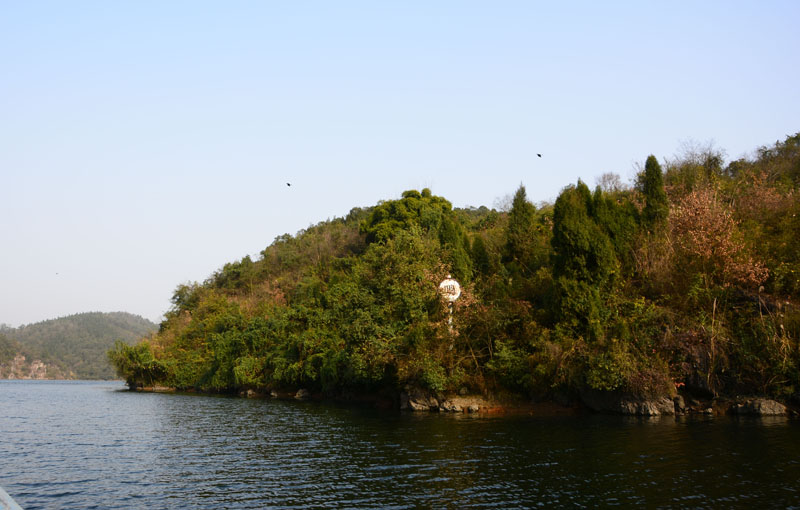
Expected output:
(90, 445)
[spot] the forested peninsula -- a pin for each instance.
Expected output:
(684, 282)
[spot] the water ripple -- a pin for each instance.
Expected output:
(87, 445)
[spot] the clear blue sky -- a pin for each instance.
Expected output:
(145, 144)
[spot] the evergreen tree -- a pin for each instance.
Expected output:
(582, 250)
(519, 232)
(480, 256)
(619, 218)
(584, 261)
(454, 243)
(656, 206)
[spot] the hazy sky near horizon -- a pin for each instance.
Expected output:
(144, 144)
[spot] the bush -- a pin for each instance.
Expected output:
(136, 364)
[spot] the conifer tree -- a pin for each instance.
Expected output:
(480, 256)
(454, 241)
(520, 226)
(583, 251)
(656, 206)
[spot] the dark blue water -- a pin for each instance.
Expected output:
(89, 445)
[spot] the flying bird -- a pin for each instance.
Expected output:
(538, 154)
(288, 183)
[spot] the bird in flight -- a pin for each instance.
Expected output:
(538, 154)
(288, 183)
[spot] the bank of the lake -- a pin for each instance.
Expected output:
(93, 445)
(506, 403)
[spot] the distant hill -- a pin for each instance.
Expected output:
(72, 347)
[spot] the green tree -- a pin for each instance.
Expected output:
(414, 208)
(480, 256)
(656, 206)
(455, 245)
(582, 249)
(520, 227)
(136, 364)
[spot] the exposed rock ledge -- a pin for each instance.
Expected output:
(21, 368)
(759, 407)
(421, 400)
(609, 402)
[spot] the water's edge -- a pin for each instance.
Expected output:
(419, 400)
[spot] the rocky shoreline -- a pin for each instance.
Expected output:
(607, 403)
(416, 400)
(20, 368)
(683, 405)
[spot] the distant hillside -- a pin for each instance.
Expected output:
(20, 362)
(8, 349)
(75, 346)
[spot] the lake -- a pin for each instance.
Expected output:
(90, 445)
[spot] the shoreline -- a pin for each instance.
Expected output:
(418, 402)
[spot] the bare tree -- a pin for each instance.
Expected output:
(610, 182)
(503, 204)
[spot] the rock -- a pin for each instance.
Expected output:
(416, 406)
(680, 404)
(273, 394)
(474, 408)
(417, 400)
(463, 391)
(760, 407)
(449, 407)
(302, 394)
(403, 401)
(20, 368)
(612, 402)
(654, 407)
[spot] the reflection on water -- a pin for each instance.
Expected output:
(88, 445)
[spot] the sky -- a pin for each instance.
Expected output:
(144, 144)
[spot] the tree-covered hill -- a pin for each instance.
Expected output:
(19, 362)
(77, 344)
(9, 349)
(688, 279)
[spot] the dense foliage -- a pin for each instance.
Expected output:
(689, 278)
(9, 349)
(77, 344)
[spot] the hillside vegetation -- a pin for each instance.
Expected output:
(77, 344)
(688, 278)
(9, 349)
